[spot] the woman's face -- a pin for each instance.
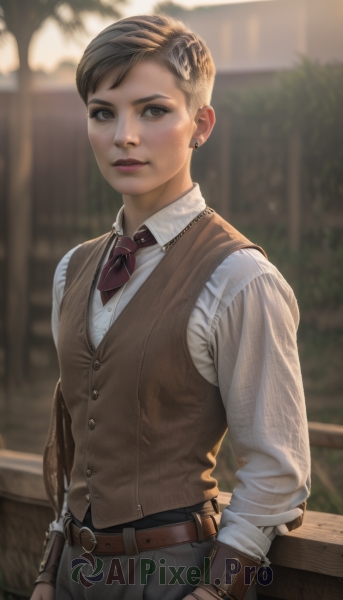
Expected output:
(141, 131)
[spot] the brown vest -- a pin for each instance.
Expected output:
(146, 425)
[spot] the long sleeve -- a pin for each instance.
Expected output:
(57, 295)
(58, 291)
(254, 349)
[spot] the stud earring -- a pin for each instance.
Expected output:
(196, 145)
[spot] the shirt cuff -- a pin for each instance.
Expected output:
(57, 525)
(253, 534)
(237, 532)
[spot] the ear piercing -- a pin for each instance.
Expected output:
(196, 145)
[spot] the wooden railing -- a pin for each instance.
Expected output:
(24, 517)
(307, 563)
(326, 435)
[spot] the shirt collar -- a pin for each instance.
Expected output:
(168, 222)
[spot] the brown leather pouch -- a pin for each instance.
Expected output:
(231, 572)
(53, 548)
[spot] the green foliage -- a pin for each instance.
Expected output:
(310, 93)
(327, 483)
(308, 99)
(314, 272)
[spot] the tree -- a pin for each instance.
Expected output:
(23, 19)
(169, 8)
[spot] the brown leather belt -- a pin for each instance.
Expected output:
(132, 542)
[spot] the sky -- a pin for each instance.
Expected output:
(49, 46)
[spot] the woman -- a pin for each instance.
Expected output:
(169, 329)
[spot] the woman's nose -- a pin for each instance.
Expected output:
(126, 133)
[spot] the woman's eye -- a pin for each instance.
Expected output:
(101, 115)
(155, 111)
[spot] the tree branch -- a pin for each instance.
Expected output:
(24, 18)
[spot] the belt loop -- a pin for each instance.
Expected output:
(216, 521)
(198, 524)
(130, 543)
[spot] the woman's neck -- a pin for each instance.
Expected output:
(139, 208)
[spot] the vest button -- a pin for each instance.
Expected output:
(95, 394)
(88, 498)
(91, 423)
(88, 472)
(96, 365)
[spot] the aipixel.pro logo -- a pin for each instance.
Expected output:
(87, 559)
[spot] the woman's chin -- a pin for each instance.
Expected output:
(131, 186)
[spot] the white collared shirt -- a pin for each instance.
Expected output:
(242, 338)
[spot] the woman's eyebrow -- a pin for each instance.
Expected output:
(150, 98)
(98, 101)
(135, 102)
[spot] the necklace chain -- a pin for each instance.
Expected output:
(206, 211)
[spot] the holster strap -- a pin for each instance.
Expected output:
(231, 572)
(299, 520)
(53, 548)
(206, 593)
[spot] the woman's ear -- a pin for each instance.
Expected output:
(204, 119)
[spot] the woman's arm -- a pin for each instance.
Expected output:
(55, 543)
(58, 291)
(251, 317)
(261, 386)
(43, 591)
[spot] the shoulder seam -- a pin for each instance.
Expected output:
(224, 306)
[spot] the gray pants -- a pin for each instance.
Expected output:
(127, 578)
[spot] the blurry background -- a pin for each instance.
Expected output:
(273, 167)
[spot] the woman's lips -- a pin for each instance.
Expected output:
(128, 166)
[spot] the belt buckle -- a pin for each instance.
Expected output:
(92, 539)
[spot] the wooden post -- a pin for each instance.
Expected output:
(19, 222)
(294, 191)
(225, 165)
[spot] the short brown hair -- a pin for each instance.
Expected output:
(125, 43)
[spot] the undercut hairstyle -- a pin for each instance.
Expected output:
(127, 42)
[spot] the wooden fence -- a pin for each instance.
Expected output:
(71, 202)
(306, 563)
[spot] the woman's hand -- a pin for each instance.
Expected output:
(202, 593)
(43, 591)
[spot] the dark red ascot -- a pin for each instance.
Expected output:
(121, 263)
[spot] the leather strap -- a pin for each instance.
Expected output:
(231, 572)
(198, 523)
(206, 593)
(144, 539)
(299, 520)
(53, 548)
